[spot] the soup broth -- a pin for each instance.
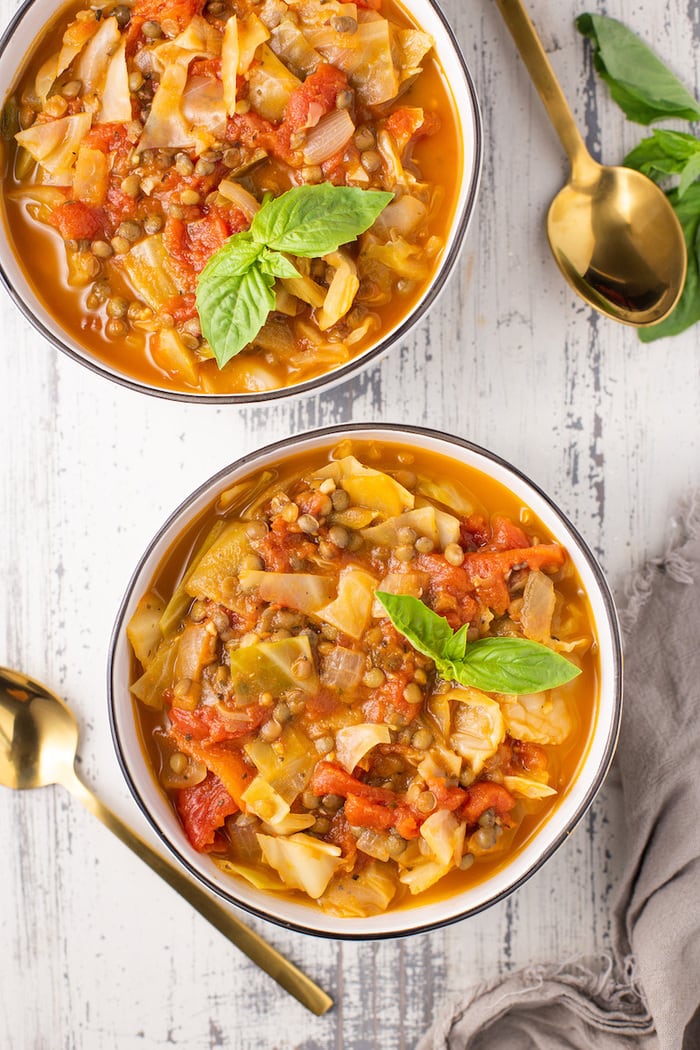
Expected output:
(295, 717)
(127, 166)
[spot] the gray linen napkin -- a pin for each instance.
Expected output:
(646, 993)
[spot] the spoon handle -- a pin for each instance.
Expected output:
(263, 954)
(539, 67)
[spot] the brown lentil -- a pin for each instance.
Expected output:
(117, 307)
(178, 762)
(374, 678)
(454, 554)
(308, 524)
(413, 694)
(424, 545)
(339, 535)
(270, 731)
(102, 249)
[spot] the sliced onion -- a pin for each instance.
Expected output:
(238, 195)
(330, 136)
(343, 668)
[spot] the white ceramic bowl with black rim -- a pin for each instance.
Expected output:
(16, 46)
(597, 752)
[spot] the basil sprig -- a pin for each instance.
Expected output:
(643, 87)
(646, 90)
(235, 290)
(496, 665)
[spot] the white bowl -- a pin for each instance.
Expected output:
(573, 802)
(16, 45)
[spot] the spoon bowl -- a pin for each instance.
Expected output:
(38, 743)
(612, 231)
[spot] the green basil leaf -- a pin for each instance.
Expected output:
(233, 308)
(311, 221)
(277, 265)
(512, 665)
(426, 631)
(687, 310)
(456, 647)
(644, 88)
(667, 153)
(232, 259)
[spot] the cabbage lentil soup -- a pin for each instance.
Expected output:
(290, 709)
(142, 136)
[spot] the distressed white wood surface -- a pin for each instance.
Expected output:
(96, 953)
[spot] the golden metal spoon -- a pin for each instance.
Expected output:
(613, 232)
(38, 744)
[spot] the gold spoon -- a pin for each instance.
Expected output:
(612, 230)
(38, 744)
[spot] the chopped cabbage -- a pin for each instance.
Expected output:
(527, 787)
(304, 591)
(143, 629)
(251, 34)
(479, 727)
(423, 872)
(303, 862)
(365, 56)
(445, 836)
(199, 39)
(148, 269)
(438, 526)
(196, 651)
(291, 47)
(55, 144)
(290, 824)
(91, 176)
(115, 95)
(288, 764)
(543, 718)
(351, 609)
(353, 742)
(357, 896)
(158, 676)
(261, 878)
(214, 573)
(93, 63)
(270, 85)
(368, 487)
(261, 799)
(229, 63)
(180, 599)
(268, 667)
(451, 494)
(343, 287)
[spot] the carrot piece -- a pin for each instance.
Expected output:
(481, 565)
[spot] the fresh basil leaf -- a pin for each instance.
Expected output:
(512, 665)
(232, 259)
(687, 310)
(311, 221)
(667, 153)
(277, 265)
(456, 647)
(233, 308)
(644, 88)
(426, 631)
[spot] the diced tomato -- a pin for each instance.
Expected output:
(280, 544)
(110, 138)
(180, 12)
(483, 795)
(449, 798)
(191, 244)
(254, 132)
(77, 221)
(409, 123)
(528, 756)
(340, 835)
(181, 307)
(362, 813)
(483, 564)
(474, 532)
(209, 723)
(203, 809)
(506, 535)
(118, 206)
(322, 704)
(388, 699)
(370, 5)
(331, 779)
(206, 67)
(313, 99)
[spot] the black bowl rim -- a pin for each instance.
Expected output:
(329, 379)
(284, 446)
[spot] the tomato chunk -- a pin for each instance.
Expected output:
(76, 221)
(203, 809)
(483, 795)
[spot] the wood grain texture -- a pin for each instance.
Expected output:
(97, 954)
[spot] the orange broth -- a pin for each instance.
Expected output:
(290, 349)
(490, 501)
